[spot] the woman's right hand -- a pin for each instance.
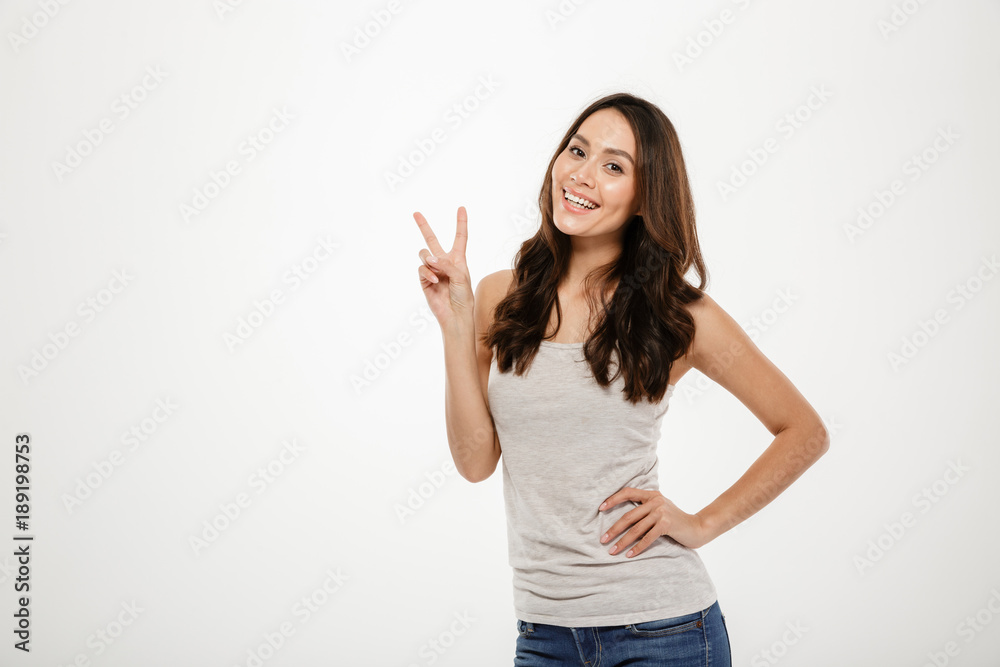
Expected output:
(446, 283)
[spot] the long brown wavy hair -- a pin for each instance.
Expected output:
(644, 321)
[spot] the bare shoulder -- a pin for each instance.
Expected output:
(709, 318)
(701, 317)
(495, 284)
(716, 333)
(702, 305)
(490, 290)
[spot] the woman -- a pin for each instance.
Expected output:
(566, 365)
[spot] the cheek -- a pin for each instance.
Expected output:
(557, 169)
(624, 195)
(617, 195)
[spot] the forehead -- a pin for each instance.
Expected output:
(608, 127)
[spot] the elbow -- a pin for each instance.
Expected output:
(475, 465)
(482, 471)
(809, 438)
(818, 442)
(481, 475)
(811, 441)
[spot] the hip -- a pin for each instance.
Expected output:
(698, 639)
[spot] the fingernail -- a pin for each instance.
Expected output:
(613, 549)
(604, 538)
(432, 258)
(603, 505)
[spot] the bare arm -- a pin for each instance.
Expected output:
(724, 352)
(472, 437)
(444, 278)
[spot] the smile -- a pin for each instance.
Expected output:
(578, 202)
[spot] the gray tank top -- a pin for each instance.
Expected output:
(567, 445)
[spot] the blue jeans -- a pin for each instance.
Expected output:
(693, 640)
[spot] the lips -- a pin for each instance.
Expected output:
(583, 203)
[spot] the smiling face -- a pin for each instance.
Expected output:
(601, 157)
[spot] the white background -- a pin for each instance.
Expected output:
(366, 448)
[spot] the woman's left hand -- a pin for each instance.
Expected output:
(655, 516)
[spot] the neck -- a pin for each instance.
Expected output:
(588, 254)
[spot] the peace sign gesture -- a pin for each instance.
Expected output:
(444, 276)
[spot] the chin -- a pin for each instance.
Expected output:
(569, 230)
(557, 223)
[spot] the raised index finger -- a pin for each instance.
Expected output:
(428, 233)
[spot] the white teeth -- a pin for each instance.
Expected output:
(577, 200)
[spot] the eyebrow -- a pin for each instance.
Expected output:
(613, 151)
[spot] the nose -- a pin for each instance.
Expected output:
(582, 175)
